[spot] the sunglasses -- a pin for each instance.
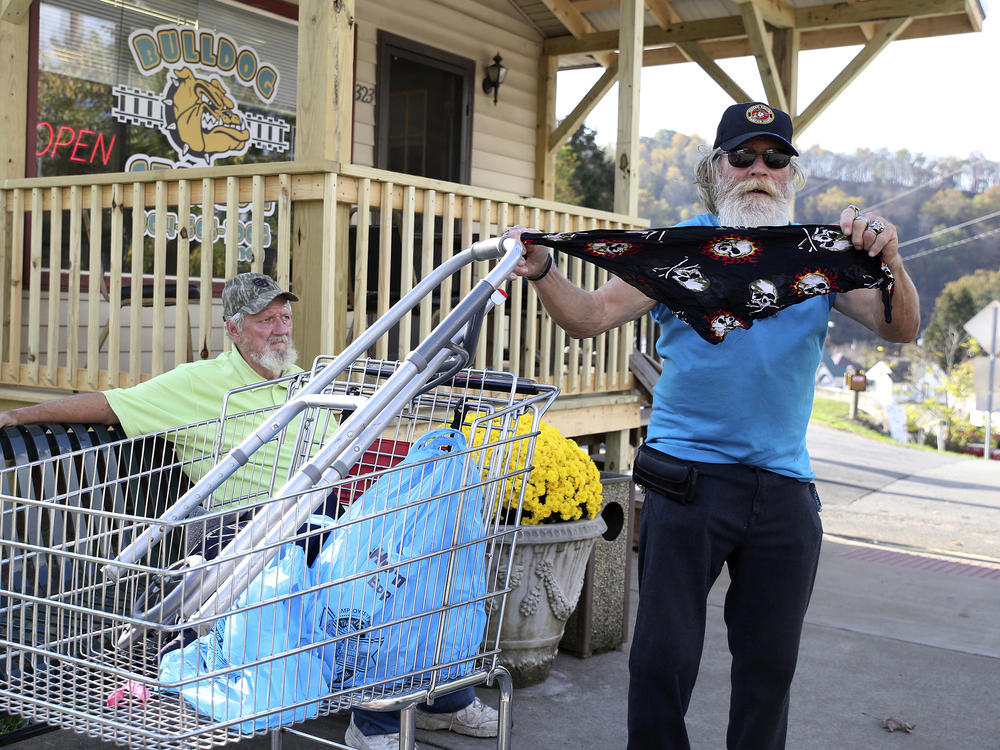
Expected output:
(774, 158)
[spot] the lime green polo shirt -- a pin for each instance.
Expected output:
(193, 393)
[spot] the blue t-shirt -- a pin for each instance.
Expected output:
(746, 400)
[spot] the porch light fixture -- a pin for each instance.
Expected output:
(495, 74)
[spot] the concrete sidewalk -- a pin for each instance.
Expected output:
(894, 630)
(889, 634)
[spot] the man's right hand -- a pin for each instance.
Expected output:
(534, 257)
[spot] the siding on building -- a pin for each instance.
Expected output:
(503, 136)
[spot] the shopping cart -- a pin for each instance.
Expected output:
(346, 552)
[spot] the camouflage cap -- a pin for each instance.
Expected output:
(249, 293)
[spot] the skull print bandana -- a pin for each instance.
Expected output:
(717, 279)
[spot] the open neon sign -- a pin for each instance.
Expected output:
(88, 146)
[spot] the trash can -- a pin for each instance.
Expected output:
(600, 621)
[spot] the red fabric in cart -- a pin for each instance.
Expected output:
(383, 454)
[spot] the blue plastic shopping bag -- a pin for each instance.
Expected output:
(252, 650)
(405, 567)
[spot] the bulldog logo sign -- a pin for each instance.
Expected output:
(199, 116)
(202, 120)
(196, 110)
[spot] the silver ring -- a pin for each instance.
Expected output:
(857, 211)
(877, 226)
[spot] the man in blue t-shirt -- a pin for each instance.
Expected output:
(725, 466)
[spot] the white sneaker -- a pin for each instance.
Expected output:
(354, 738)
(475, 720)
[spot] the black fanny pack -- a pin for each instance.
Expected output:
(657, 471)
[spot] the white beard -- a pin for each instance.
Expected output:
(739, 207)
(275, 361)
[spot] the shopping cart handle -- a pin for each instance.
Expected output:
(493, 248)
(470, 379)
(522, 386)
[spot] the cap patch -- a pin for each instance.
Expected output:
(760, 114)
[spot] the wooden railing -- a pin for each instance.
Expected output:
(103, 281)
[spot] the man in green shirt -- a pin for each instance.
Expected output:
(258, 318)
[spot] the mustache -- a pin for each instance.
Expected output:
(755, 184)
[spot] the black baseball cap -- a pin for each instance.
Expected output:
(741, 122)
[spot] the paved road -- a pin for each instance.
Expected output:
(893, 494)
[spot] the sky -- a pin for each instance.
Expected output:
(936, 97)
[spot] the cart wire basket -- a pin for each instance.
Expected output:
(246, 574)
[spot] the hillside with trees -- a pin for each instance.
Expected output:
(947, 212)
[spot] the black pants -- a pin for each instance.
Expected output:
(765, 527)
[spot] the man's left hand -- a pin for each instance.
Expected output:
(870, 233)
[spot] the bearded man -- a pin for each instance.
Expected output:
(258, 318)
(726, 446)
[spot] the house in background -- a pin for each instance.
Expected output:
(925, 380)
(829, 374)
(153, 148)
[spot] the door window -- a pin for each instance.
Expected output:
(424, 106)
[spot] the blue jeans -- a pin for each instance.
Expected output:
(765, 527)
(387, 722)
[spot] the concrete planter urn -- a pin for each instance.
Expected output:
(546, 578)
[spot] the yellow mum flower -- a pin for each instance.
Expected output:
(563, 484)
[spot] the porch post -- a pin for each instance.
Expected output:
(786, 58)
(323, 134)
(545, 156)
(13, 123)
(13, 97)
(618, 452)
(630, 42)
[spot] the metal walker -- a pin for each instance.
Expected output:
(99, 581)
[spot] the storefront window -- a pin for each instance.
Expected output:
(162, 84)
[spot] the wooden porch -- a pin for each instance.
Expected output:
(103, 283)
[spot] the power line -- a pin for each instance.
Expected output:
(956, 243)
(913, 189)
(812, 188)
(948, 229)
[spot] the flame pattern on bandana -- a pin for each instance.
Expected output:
(733, 248)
